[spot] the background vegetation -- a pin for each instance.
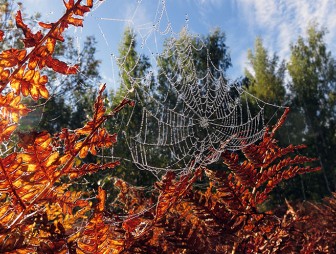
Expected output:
(59, 196)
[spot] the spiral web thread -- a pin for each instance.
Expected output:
(203, 123)
(199, 115)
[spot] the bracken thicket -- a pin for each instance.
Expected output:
(41, 213)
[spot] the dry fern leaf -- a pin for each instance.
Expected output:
(95, 237)
(11, 108)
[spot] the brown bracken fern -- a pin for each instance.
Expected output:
(39, 213)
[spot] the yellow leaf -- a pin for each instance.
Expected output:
(7, 132)
(29, 75)
(43, 80)
(34, 92)
(32, 63)
(83, 152)
(22, 54)
(36, 78)
(15, 84)
(51, 159)
(24, 88)
(27, 158)
(102, 198)
(43, 139)
(78, 145)
(14, 100)
(44, 92)
(64, 158)
(51, 45)
(4, 74)
(29, 195)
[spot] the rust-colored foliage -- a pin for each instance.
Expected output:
(2, 34)
(41, 214)
(38, 214)
(225, 217)
(96, 236)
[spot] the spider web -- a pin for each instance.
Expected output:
(208, 117)
(199, 115)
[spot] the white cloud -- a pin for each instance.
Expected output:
(282, 21)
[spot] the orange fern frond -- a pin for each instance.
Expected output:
(11, 107)
(22, 69)
(95, 237)
(266, 164)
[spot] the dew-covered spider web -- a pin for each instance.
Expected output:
(188, 111)
(197, 120)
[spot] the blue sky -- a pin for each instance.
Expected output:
(278, 22)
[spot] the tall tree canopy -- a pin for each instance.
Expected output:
(313, 87)
(133, 68)
(191, 60)
(266, 75)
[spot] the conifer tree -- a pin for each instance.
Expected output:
(133, 69)
(313, 73)
(266, 76)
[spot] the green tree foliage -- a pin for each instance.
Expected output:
(191, 62)
(313, 72)
(311, 99)
(133, 69)
(266, 81)
(189, 59)
(266, 78)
